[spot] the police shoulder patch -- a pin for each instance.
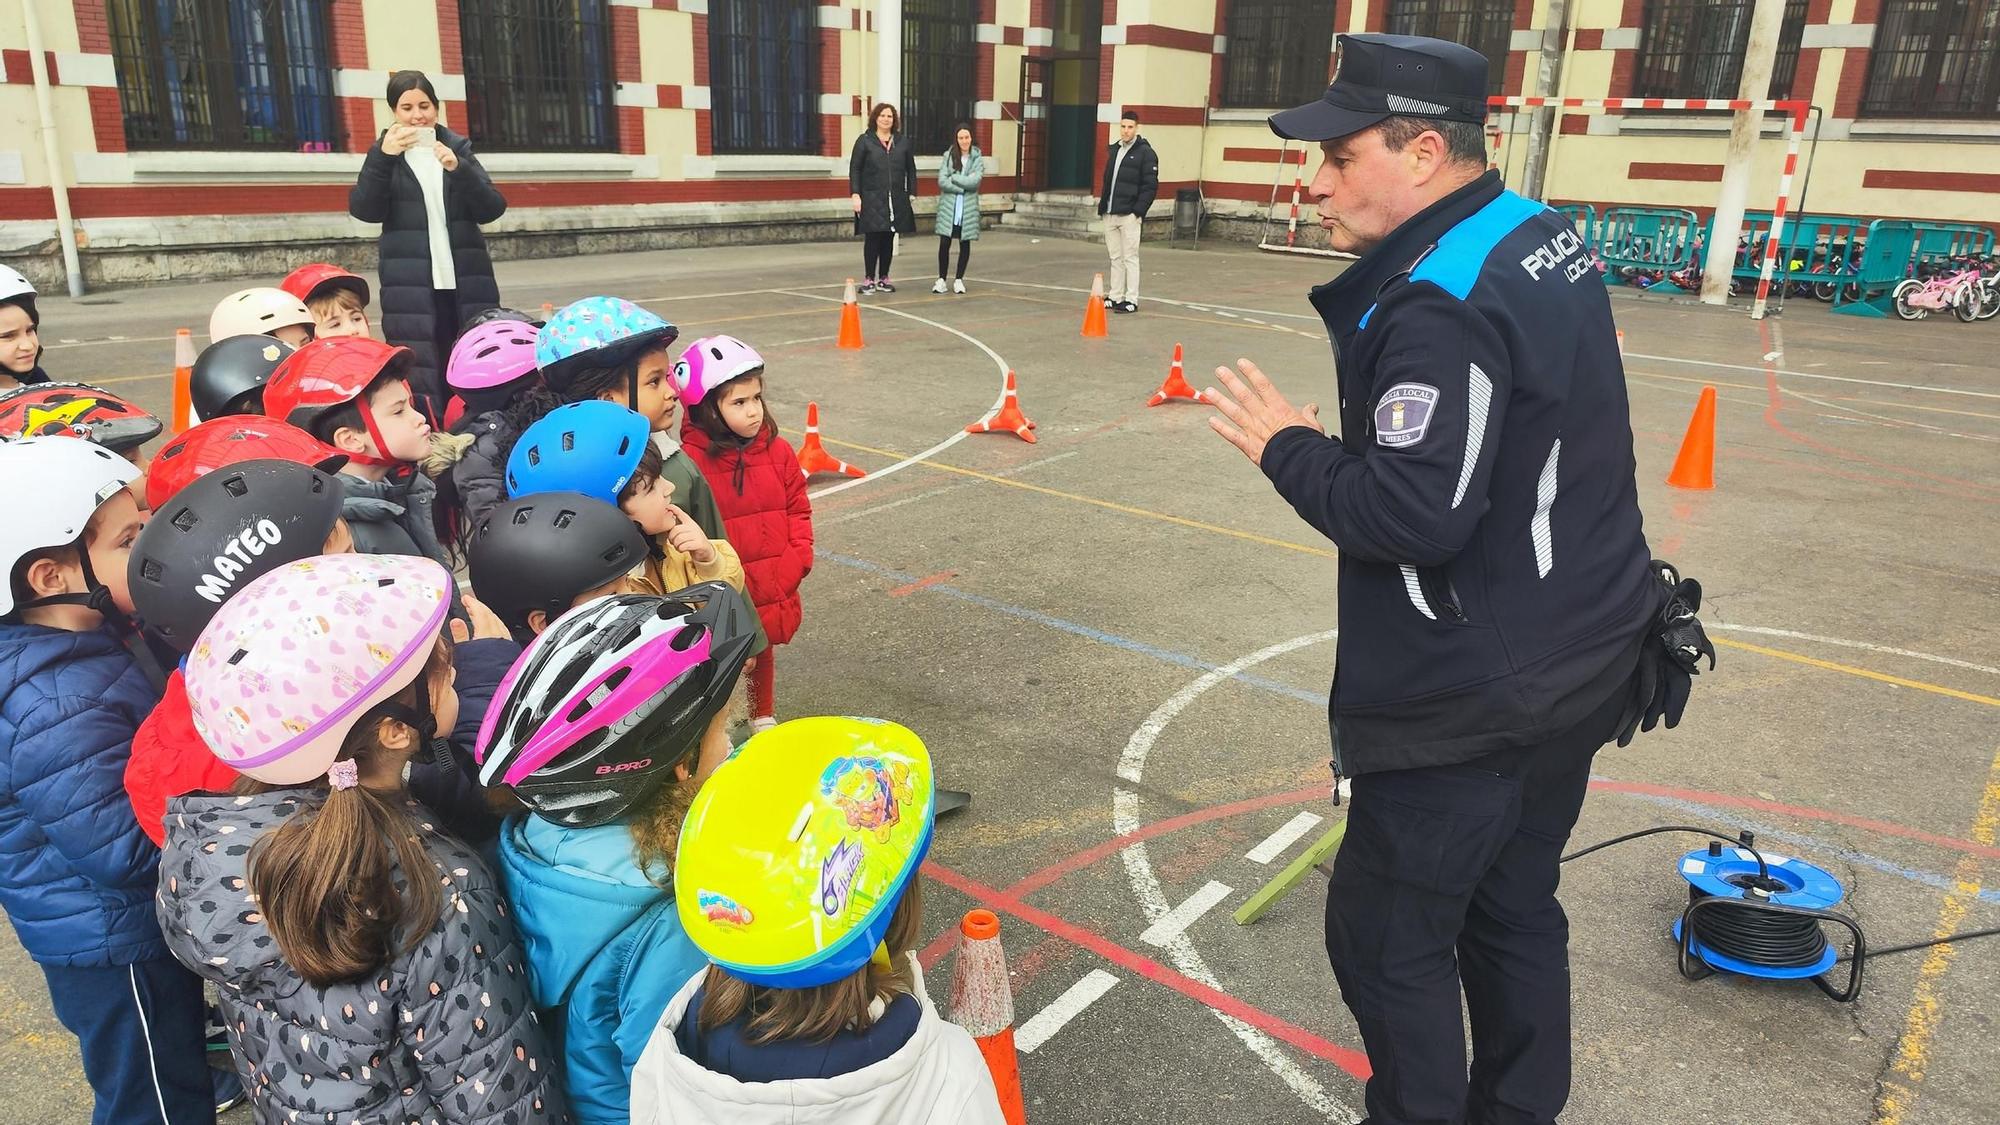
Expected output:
(1404, 414)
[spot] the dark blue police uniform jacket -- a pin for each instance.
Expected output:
(1494, 580)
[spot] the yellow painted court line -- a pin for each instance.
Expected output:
(1851, 670)
(1920, 1024)
(1126, 509)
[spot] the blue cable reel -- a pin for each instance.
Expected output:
(1759, 915)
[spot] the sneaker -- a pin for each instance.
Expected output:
(227, 1089)
(762, 723)
(957, 286)
(939, 287)
(1125, 307)
(883, 286)
(1109, 303)
(868, 286)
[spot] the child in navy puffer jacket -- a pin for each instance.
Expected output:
(76, 873)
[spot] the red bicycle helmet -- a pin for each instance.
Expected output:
(309, 280)
(221, 442)
(75, 410)
(328, 374)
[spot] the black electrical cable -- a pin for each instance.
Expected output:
(1742, 840)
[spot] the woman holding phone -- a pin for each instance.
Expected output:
(422, 183)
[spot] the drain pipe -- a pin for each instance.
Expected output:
(38, 66)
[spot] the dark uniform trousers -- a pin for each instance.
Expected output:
(1447, 879)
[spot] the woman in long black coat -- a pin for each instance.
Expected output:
(882, 175)
(422, 183)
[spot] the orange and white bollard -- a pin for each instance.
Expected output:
(1093, 312)
(1008, 419)
(1176, 385)
(850, 319)
(183, 383)
(982, 1002)
(813, 457)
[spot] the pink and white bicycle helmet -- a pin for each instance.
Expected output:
(712, 361)
(290, 664)
(596, 713)
(491, 355)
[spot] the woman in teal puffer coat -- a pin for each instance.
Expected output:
(958, 204)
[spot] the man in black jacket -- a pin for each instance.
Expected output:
(1131, 180)
(1494, 587)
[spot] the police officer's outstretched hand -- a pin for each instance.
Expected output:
(1254, 410)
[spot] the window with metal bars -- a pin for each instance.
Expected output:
(225, 75)
(537, 74)
(940, 70)
(1486, 26)
(763, 75)
(1694, 48)
(1935, 58)
(1278, 53)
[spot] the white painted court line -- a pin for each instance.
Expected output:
(1815, 375)
(1043, 1024)
(1169, 925)
(1275, 844)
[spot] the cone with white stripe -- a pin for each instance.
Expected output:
(982, 1002)
(813, 457)
(1176, 385)
(183, 383)
(1008, 419)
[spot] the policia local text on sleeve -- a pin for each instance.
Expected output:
(1500, 618)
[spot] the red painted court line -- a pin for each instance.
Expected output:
(1827, 815)
(1346, 1058)
(922, 583)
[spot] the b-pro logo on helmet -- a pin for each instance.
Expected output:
(235, 559)
(624, 767)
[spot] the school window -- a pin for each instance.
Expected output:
(1694, 48)
(1278, 54)
(763, 74)
(537, 74)
(1485, 26)
(940, 70)
(1935, 58)
(216, 74)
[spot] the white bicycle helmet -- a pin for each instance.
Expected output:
(13, 285)
(256, 312)
(72, 479)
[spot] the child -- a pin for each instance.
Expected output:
(492, 365)
(185, 565)
(77, 410)
(367, 965)
(229, 375)
(20, 332)
(797, 875)
(609, 348)
(353, 394)
(79, 878)
(262, 312)
(590, 871)
(759, 486)
(601, 450)
(536, 557)
(337, 299)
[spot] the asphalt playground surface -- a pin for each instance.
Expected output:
(1119, 639)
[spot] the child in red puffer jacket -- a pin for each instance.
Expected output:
(758, 486)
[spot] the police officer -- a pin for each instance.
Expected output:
(1494, 588)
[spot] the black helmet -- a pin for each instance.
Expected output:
(600, 708)
(229, 375)
(499, 312)
(541, 551)
(221, 531)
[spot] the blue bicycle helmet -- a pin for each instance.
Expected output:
(589, 447)
(597, 332)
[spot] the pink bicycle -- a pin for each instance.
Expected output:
(1959, 290)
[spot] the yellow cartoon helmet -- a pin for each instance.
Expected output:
(798, 848)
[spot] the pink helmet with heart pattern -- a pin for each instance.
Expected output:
(289, 664)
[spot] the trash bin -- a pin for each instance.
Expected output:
(1187, 215)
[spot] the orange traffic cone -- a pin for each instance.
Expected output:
(183, 378)
(1695, 467)
(548, 311)
(1093, 313)
(813, 457)
(982, 1002)
(1176, 385)
(850, 319)
(1621, 341)
(1008, 419)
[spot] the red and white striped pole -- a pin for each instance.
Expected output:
(1298, 176)
(1778, 212)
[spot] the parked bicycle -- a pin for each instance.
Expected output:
(1954, 284)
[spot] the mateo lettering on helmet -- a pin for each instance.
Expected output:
(235, 559)
(1551, 255)
(624, 767)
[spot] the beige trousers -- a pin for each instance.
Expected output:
(1121, 238)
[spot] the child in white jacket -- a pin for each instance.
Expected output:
(811, 833)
